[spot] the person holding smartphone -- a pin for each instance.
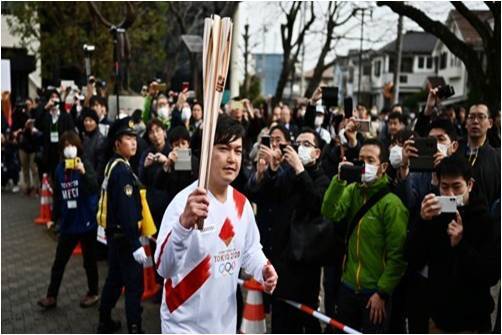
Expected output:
(462, 253)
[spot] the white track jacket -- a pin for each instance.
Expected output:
(201, 267)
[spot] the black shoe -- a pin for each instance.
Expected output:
(135, 329)
(107, 327)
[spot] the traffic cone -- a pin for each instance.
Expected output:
(77, 250)
(149, 282)
(253, 316)
(45, 202)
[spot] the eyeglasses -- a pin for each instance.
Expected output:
(479, 117)
(306, 144)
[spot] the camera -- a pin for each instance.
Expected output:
(265, 140)
(444, 92)
(89, 48)
(71, 163)
(352, 173)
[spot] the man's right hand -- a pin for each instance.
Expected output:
(432, 101)
(149, 159)
(196, 208)
(430, 207)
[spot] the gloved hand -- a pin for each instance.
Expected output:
(140, 255)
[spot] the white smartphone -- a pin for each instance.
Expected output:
(448, 204)
(184, 160)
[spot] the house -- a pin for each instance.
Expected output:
(416, 65)
(448, 66)
(377, 70)
(25, 67)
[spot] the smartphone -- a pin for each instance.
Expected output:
(427, 147)
(184, 160)
(329, 96)
(185, 85)
(363, 125)
(282, 147)
(448, 204)
(348, 106)
(265, 140)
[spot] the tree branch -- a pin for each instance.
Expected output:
(484, 32)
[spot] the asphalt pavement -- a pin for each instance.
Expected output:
(28, 251)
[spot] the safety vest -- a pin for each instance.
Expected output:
(146, 225)
(103, 197)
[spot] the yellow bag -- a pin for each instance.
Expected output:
(146, 225)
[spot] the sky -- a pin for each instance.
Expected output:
(379, 29)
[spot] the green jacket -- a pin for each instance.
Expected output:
(375, 256)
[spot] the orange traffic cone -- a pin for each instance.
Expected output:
(253, 317)
(45, 202)
(149, 282)
(77, 250)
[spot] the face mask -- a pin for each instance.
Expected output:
(70, 151)
(443, 148)
(186, 113)
(460, 200)
(370, 173)
(302, 112)
(305, 155)
(163, 112)
(318, 121)
(396, 156)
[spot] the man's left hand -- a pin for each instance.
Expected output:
(377, 308)
(269, 278)
(455, 230)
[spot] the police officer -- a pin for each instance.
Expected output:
(123, 212)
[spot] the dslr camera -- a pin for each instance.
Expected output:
(352, 173)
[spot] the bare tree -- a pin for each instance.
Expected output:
(484, 80)
(291, 47)
(334, 20)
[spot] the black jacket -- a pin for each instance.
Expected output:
(485, 171)
(51, 149)
(459, 277)
(296, 200)
(94, 149)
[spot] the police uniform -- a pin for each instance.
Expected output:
(122, 234)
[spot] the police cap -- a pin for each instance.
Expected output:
(121, 127)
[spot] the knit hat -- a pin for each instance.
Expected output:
(87, 112)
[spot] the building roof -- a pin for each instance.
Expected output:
(327, 74)
(469, 34)
(413, 42)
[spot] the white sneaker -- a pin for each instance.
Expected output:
(15, 189)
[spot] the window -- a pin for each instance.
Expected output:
(366, 70)
(377, 69)
(443, 60)
(407, 65)
(429, 62)
(403, 79)
(421, 62)
(452, 61)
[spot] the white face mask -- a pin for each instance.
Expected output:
(186, 113)
(163, 112)
(443, 148)
(70, 151)
(318, 121)
(396, 156)
(305, 155)
(370, 173)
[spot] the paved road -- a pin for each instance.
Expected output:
(27, 255)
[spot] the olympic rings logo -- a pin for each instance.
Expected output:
(227, 268)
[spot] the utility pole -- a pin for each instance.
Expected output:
(302, 78)
(246, 58)
(363, 11)
(399, 52)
